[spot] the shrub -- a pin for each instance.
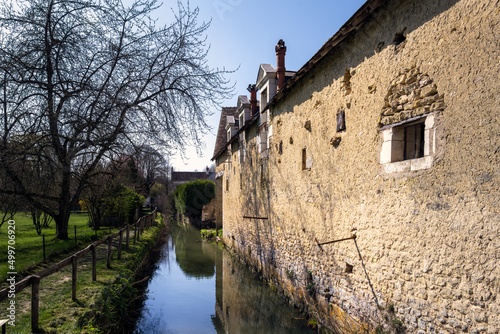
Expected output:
(190, 197)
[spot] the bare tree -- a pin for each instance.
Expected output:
(82, 78)
(152, 165)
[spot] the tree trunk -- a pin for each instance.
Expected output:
(62, 220)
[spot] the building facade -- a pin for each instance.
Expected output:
(387, 140)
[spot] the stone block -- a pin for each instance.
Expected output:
(403, 99)
(419, 111)
(439, 105)
(424, 81)
(398, 167)
(428, 90)
(388, 112)
(428, 100)
(421, 163)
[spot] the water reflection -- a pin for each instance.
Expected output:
(192, 277)
(195, 259)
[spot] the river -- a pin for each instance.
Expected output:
(198, 287)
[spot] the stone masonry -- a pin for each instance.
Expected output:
(390, 135)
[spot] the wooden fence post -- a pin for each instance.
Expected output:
(94, 262)
(127, 237)
(135, 232)
(43, 240)
(74, 262)
(139, 230)
(120, 245)
(108, 263)
(35, 300)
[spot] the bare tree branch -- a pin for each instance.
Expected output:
(84, 78)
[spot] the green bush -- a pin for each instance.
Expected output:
(190, 197)
(118, 206)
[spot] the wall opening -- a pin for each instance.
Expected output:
(414, 141)
(304, 159)
(399, 39)
(341, 120)
(348, 268)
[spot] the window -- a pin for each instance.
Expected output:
(409, 145)
(414, 141)
(263, 98)
(262, 139)
(242, 149)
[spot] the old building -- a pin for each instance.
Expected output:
(180, 177)
(387, 139)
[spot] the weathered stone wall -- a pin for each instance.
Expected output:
(427, 245)
(219, 193)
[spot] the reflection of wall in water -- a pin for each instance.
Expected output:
(219, 271)
(248, 306)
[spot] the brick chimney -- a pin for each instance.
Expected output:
(280, 59)
(253, 98)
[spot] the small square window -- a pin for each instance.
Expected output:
(409, 145)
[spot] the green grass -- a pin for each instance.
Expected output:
(59, 313)
(29, 245)
(210, 234)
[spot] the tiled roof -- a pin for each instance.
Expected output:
(243, 99)
(189, 176)
(221, 140)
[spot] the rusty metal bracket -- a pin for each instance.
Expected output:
(332, 242)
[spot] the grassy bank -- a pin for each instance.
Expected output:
(29, 245)
(211, 234)
(100, 304)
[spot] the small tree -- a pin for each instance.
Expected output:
(190, 198)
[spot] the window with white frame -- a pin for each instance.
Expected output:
(409, 145)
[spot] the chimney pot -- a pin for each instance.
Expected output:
(280, 59)
(253, 98)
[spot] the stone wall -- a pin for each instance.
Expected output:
(427, 239)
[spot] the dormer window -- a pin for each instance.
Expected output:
(231, 127)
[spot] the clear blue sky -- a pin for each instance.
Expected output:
(243, 34)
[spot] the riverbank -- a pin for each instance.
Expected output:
(100, 304)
